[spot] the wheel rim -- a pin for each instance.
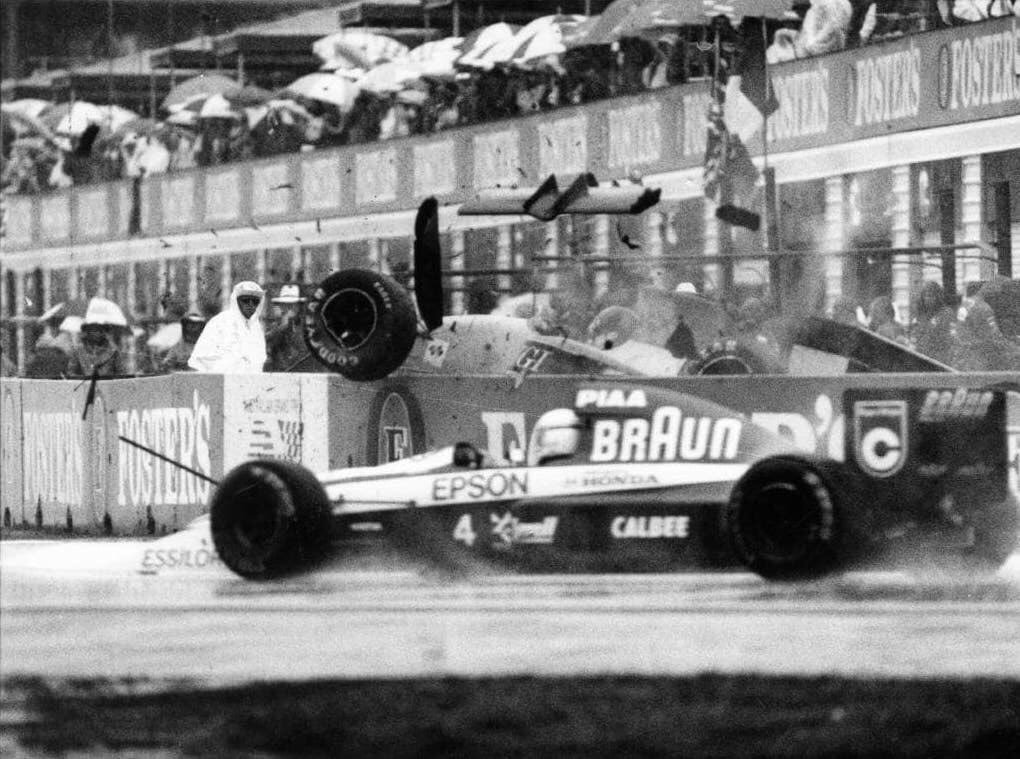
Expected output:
(350, 317)
(725, 365)
(783, 521)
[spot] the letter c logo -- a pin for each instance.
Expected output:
(881, 450)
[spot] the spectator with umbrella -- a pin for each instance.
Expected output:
(479, 42)
(282, 126)
(327, 99)
(204, 84)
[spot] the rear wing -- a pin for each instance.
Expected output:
(582, 195)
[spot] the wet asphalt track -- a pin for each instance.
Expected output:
(116, 609)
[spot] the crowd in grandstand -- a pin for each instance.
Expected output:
(48, 146)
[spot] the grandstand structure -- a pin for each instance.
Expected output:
(911, 143)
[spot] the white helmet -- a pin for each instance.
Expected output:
(557, 434)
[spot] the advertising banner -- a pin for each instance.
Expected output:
(180, 418)
(55, 491)
(82, 474)
(280, 416)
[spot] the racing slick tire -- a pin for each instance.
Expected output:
(784, 521)
(731, 357)
(361, 324)
(270, 519)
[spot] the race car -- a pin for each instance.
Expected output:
(365, 325)
(635, 476)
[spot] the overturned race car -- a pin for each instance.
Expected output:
(639, 477)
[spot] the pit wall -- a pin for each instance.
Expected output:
(63, 472)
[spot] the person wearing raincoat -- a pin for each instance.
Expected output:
(233, 341)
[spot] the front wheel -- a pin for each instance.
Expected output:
(269, 519)
(783, 521)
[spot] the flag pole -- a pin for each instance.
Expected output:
(724, 197)
(768, 89)
(771, 199)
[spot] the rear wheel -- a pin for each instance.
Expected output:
(782, 520)
(269, 519)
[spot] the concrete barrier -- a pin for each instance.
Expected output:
(66, 472)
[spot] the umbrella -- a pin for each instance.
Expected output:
(247, 96)
(436, 58)
(72, 119)
(115, 116)
(737, 9)
(71, 324)
(25, 125)
(625, 18)
(353, 48)
(326, 88)
(31, 107)
(284, 110)
(202, 107)
(393, 76)
(543, 36)
(164, 338)
(203, 84)
(138, 126)
(480, 41)
(75, 308)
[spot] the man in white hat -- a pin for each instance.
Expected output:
(233, 342)
(98, 351)
(285, 341)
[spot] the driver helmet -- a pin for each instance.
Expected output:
(557, 435)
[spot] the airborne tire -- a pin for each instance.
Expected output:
(361, 324)
(270, 519)
(783, 520)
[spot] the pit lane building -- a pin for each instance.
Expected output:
(911, 143)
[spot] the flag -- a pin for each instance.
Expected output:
(749, 96)
(738, 108)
